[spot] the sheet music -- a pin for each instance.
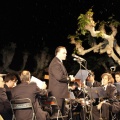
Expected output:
(40, 83)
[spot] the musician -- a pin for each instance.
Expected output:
(91, 82)
(81, 100)
(111, 91)
(10, 81)
(76, 89)
(5, 108)
(29, 90)
(117, 78)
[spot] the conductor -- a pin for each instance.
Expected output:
(58, 77)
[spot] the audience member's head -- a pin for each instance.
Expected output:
(25, 76)
(10, 80)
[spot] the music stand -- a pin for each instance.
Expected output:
(81, 75)
(89, 83)
(96, 92)
(71, 97)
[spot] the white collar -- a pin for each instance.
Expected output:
(105, 87)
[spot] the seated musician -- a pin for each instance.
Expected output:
(10, 81)
(5, 108)
(106, 103)
(91, 82)
(117, 79)
(79, 102)
(29, 90)
(76, 89)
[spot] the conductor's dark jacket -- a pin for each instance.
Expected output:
(58, 83)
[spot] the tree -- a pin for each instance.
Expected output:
(100, 41)
(41, 60)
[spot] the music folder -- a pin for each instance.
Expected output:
(96, 92)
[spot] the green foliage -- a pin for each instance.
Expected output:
(83, 20)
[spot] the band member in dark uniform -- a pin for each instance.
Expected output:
(91, 82)
(111, 91)
(5, 108)
(10, 81)
(29, 90)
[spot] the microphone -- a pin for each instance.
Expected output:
(78, 57)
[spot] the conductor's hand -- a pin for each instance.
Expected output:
(72, 78)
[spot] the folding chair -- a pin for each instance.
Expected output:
(53, 102)
(115, 116)
(22, 104)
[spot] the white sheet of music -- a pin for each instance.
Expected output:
(41, 84)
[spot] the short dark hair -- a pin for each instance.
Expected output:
(117, 73)
(10, 76)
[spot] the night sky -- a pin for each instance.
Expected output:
(35, 24)
(30, 22)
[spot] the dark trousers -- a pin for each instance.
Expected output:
(61, 103)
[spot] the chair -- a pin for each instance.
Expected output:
(115, 116)
(52, 102)
(22, 104)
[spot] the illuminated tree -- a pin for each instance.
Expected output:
(100, 36)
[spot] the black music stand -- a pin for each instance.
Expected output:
(89, 83)
(96, 92)
(81, 75)
(71, 97)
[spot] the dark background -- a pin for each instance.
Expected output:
(32, 24)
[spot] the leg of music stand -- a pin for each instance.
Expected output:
(70, 110)
(84, 112)
(100, 115)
